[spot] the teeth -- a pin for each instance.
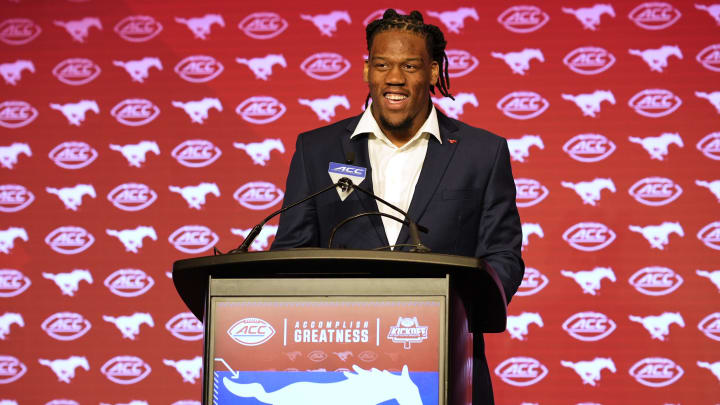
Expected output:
(395, 97)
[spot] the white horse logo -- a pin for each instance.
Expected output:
(529, 229)
(8, 236)
(589, 191)
(590, 16)
(325, 107)
(327, 23)
(713, 276)
(262, 67)
(139, 70)
(6, 320)
(589, 103)
(78, 29)
(454, 108)
(589, 280)
(343, 356)
(713, 367)
(133, 238)
(713, 98)
(75, 112)
(195, 195)
(714, 12)
(519, 62)
(200, 26)
(589, 371)
(359, 388)
(9, 154)
(198, 110)
(261, 241)
(134, 402)
(520, 148)
(69, 283)
(135, 153)
(659, 326)
(259, 152)
(189, 369)
(518, 325)
(12, 72)
(72, 196)
(129, 326)
(65, 368)
(455, 20)
(713, 186)
(657, 59)
(657, 146)
(658, 235)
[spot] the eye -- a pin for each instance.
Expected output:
(410, 67)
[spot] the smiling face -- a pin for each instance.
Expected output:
(399, 73)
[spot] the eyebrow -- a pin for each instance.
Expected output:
(404, 60)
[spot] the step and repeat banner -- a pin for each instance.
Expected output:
(136, 133)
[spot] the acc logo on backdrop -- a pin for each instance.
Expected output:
(589, 17)
(710, 326)
(262, 67)
(521, 371)
(198, 68)
(12, 369)
(132, 196)
(258, 195)
(66, 326)
(76, 71)
(709, 57)
(710, 145)
(69, 240)
(523, 105)
(260, 109)
(589, 326)
(138, 28)
(135, 111)
(193, 238)
(196, 153)
(73, 155)
(251, 331)
(185, 326)
(589, 60)
(14, 197)
(62, 402)
(460, 62)
(325, 65)
(263, 25)
(656, 372)
(710, 235)
(13, 283)
(125, 369)
(655, 280)
(589, 236)
(655, 103)
(16, 114)
(529, 192)
(9, 154)
(317, 356)
(18, 31)
(589, 147)
(654, 15)
(523, 19)
(655, 191)
(533, 281)
(129, 282)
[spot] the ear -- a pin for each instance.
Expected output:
(366, 72)
(434, 73)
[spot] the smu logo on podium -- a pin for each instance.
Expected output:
(656, 372)
(407, 331)
(589, 236)
(11, 369)
(12, 283)
(521, 371)
(125, 370)
(251, 331)
(589, 326)
(66, 326)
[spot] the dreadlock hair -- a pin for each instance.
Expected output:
(434, 40)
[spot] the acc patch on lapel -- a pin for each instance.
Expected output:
(339, 170)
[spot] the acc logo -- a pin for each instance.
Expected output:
(12, 283)
(655, 191)
(589, 326)
(589, 236)
(654, 15)
(138, 28)
(62, 402)
(11, 369)
(185, 326)
(710, 235)
(198, 68)
(317, 356)
(325, 65)
(529, 192)
(193, 238)
(66, 326)
(655, 280)
(368, 356)
(710, 145)
(73, 155)
(14, 197)
(263, 25)
(589, 147)
(76, 71)
(135, 112)
(258, 195)
(533, 281)
(460, 62)
(18, 31)
(521, 371)
(69, 240)
(125, 369)
(710, 326)
(655, 103)
(710, 57)
(132, 196)
(196, 153)
(656, 372)
(129, 282)
(16, 114)
(589, 60)
(523, 105)
(260, 109)
(251, 331)
(523, 19)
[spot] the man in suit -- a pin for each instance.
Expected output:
(452, 178)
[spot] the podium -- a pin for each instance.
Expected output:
(328, 326)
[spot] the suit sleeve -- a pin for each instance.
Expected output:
(500, 231)
(298, 226)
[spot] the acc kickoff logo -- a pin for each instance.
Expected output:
(198, 68)
(11, 369)
(12, 283)
(73, 155)
(589, 326)
(193, 238)
(69, 240)
(138, 28)
(460, 62)
(521, 371)
(655, 103)
(66, 326)
(654, 15)
(407, 331)
(185, 326)
(589, 236)
(196, 153)
(132, 196)
(258, 195)
(76, 71)
(18, 31)
(14, 197)
(710, 235)
(523, 105)
(263, 25)
(710, 326)
(533, 281)
(125, 370)
(251, 331)
(589, 60)
(529, 192)
(128, 282)
(260, 109)
(656, 372)
(709, 57)
(135, 112)
(16, 114)
(325, 66)
(655, 191)
(655, 281)
(523, 19)
(589, 147)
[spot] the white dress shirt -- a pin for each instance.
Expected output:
(396, 169)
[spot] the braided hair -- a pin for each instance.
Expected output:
(434, 40)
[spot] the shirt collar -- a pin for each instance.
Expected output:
(368, 124)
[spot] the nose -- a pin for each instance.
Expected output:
(395, 77)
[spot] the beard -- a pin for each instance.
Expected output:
(403, 125)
